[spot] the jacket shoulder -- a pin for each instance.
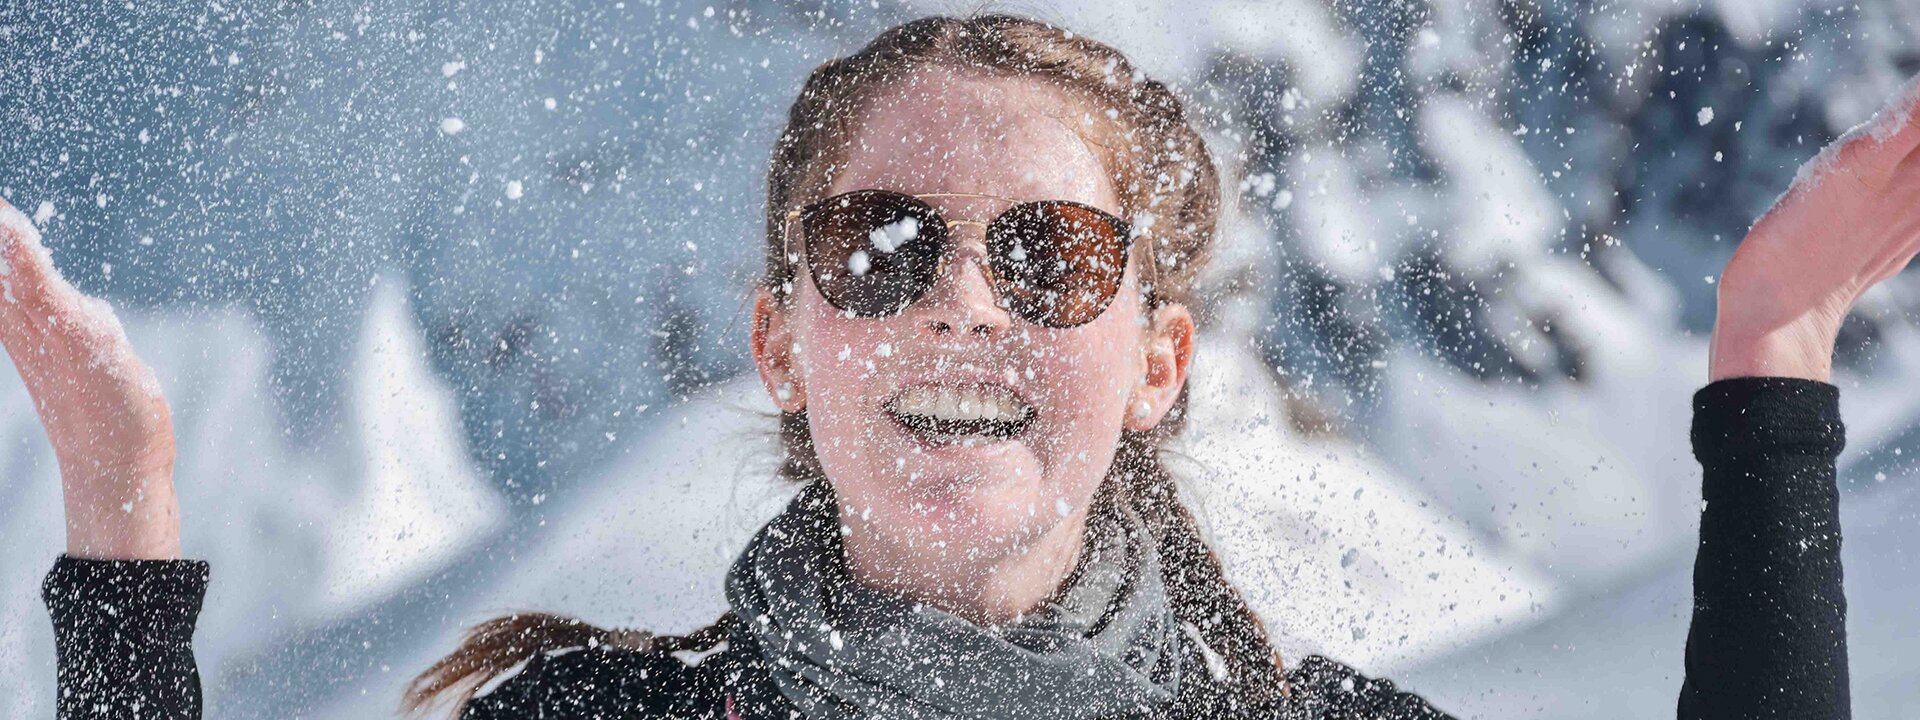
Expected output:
(1324, 689)
(603, 683)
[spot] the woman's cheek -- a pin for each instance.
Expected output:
(1086, 392)
(1092, 369)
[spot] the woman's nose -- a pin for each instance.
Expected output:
(962, 299)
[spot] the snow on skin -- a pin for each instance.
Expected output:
(103, 334)
(10, 221)
(1882, 125)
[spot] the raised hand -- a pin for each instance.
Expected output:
(101, 406)
(1850, 220)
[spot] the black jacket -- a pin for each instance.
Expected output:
(1768, 638)
(604, 682)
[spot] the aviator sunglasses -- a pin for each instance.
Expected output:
(1055, 263)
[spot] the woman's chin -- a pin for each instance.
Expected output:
(988, 498)
(979, 518)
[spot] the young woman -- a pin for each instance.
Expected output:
(981, 238)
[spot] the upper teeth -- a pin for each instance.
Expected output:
(987, 402)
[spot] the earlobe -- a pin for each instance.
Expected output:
(774, 354)
(1166, 355)
(1143, 412)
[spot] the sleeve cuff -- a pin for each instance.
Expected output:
(159, 599)
(1747, 415)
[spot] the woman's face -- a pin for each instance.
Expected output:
(862, 380)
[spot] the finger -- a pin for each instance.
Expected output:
(1896, 221)
(28, 322)
(38, 286)
(16, 325)
(13, 227)
(1874, 150)
(45, 322)
(28, 268)
(1907, 231)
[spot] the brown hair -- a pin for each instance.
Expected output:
(1160, 166)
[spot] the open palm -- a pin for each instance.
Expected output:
(1850, 220)
(101, 406)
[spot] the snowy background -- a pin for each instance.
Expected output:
(448, 297)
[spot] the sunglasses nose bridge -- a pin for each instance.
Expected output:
(952, 224)
(969, 245)
(964, 296)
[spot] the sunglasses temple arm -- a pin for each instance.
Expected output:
(786, 256)
(1152, 274)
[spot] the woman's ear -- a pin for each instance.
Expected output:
(1167, 354)
(773, 352)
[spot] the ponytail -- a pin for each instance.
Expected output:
(494, 648)
(1197, 584)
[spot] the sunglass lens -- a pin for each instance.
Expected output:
(1059, 264)
(872, 252)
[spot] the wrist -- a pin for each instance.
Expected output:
(1791, 350)
(1765, 327)
(142, 522)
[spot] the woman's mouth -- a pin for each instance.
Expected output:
(952, 414)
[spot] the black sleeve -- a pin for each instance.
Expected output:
(1768, 638)
(123, 634)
